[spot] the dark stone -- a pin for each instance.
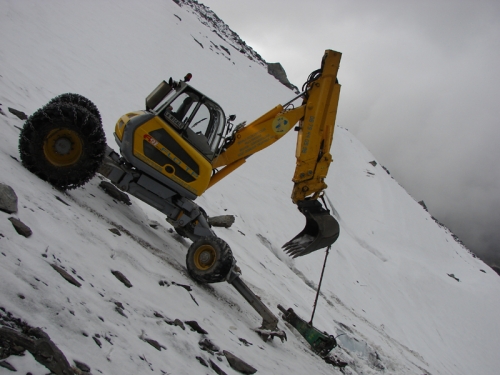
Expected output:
(335, 362)
(176, 322)
(7, 365)
(66, 275)
(82, 366)
(238, 364)
(154, 224)
(187, 287)
(19, 114)
(196, 327)
(155, 344)
(208, 346)
(277, 71)
(97, 341)
(8, 199)
(194, 299)
(373, 162)
(202, 361)
(38, 343)
(224, 221)
(216, 368)
(120, 276)
(20, 227)
(422, 203)
(201, 45)
(120, 311)
(245, 342)
(114, 192)
(453, 276)
(62, 201)
(115, 231)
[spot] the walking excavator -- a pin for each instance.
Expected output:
(181, 145)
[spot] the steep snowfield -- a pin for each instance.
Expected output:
(387, 289)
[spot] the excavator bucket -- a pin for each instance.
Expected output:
(321, 230)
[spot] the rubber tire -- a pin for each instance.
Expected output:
(78, 100)
(75, 119)
(222, 264)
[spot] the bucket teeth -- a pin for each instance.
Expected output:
(294, 250)
(321, 230)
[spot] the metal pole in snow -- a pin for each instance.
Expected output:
(319, 285)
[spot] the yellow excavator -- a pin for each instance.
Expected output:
(180, 146)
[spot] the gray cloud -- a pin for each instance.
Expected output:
(420, 89)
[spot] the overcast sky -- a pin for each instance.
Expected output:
(420, 88)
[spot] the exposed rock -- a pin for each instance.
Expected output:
(216, 368)
(224, 221)
(19, 114)
(81, 366)
(196, 327)
(202, 361)
(66, 275)
(8, 199)
(120, 311)
(115, 231)
(7, 365)
(238, 364)
(176, 322)
(453, 276)
(208, 346)
(422, 203)
(97, 341)
(62, 201)
(187, 287)
(245, 342)
(277, 71)
(114, 192)
(155, 344)
(20, 227)
(373, 162)
(201, 45)
(154, 224)
(335, 362)
(20, 335)
(120, 276)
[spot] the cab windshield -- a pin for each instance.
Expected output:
(199, 120)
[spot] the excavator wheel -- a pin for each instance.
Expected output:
(209, 260)
(63, 144)
(78, 100)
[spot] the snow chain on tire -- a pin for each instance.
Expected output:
(63, 144)
(78, 100)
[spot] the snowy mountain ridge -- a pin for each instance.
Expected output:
(399, 293)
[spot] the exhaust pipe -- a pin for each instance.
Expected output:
(321, 230)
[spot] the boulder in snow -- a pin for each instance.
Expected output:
(8, 199)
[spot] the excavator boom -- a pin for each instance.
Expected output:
(316, 117)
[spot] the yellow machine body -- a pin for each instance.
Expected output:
(159, 145)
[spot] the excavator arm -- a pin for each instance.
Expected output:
(316, 117)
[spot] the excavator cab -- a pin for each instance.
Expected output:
(197, 118)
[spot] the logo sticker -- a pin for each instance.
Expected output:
(150, 139)
(281, 125)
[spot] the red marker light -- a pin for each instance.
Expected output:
(188, 77)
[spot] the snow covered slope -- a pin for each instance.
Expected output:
(404, 297)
